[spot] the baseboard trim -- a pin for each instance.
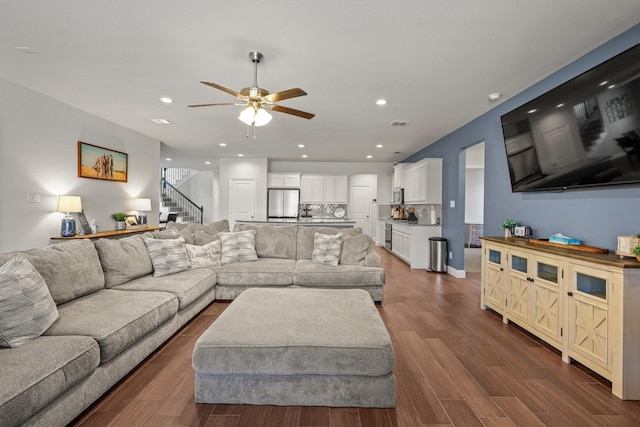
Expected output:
(458, 274)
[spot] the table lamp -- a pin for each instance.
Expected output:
(142, 205)
(68, 204)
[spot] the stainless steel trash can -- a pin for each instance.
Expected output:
(438, 254)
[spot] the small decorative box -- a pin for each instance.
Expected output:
(559, 238)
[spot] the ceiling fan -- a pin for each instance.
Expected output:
(258, 100)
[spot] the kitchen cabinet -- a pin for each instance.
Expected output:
(283, 180)
(380, 233)
(583, 304)
(410, 243)
(423, 182)
(323, 189)
(398, 175)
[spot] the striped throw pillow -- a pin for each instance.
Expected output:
(326, 249)
(168, 256)
(26, 306)
(238, 247)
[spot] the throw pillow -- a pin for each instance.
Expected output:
(326, 249)
(204, 256)
(238, 247)
(168, 256)
(355, 249)
(26, 306)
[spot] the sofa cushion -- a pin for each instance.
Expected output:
(188, 286)
(273, 241)
(306, 236)
(166, 234)
(116, 319)
(26, 306)
(204, 256)
(40, 371)
(123, 259)
(265, 271)
(168, 256)
(238, 247)
(355, 249)
(202, 237)
(71, 269)
(188, 229)
(326, 249)
(309, 273)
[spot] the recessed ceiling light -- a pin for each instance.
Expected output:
(304, 156)
(381, 101)
(369, 156)
(26, 49)
(604, 83)
(559, 105)
(166, 100)
(300, 145)
(161, 121)
(532, 111)
(240, 155)
(493, 97)
(611, 86)
(379, 146)
(168, 159)
(207, 163)
(222, 144)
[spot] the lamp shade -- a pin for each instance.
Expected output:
(142, 205)
(69, 204)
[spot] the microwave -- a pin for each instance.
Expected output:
(398, 196)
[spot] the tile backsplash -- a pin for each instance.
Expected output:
(321, 210)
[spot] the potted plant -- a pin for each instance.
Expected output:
(508, 225)
(636, 252)
(119, 218)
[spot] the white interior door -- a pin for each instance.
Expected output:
(242, 200)
(360, 207)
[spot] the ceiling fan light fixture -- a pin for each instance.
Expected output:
(254, 117)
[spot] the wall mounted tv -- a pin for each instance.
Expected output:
(585, 132)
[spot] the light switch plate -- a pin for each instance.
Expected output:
(452, 203)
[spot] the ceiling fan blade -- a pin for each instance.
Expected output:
(292, 111)
(224, 89)
(210, 105)
(285, 94)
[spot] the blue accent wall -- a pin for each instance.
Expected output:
(596, 216)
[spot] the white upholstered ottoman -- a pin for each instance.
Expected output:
(297, 347)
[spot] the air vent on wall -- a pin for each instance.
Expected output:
(400, 123)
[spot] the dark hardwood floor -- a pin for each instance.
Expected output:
(455, 365)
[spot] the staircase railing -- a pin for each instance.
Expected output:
(183, 205)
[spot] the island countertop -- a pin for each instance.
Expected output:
(331, 222)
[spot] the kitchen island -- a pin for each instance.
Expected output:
(317, 222)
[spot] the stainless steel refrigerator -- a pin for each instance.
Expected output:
(283, 203)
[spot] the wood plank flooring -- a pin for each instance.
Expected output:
(456, 365)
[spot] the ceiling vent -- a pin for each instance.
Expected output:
(400, 123)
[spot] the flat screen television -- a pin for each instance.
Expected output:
(583, 133)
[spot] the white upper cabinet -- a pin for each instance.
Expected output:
(283, 180)
(423, 182)
(398, 175)
(323, 189)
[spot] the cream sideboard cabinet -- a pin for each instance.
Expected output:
(585, 305)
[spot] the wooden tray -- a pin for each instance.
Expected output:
(580, 248)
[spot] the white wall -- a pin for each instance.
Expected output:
(38, 154)
(200, 189)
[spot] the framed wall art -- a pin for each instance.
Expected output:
(102, 163)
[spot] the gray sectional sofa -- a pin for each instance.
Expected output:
(113, 312)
